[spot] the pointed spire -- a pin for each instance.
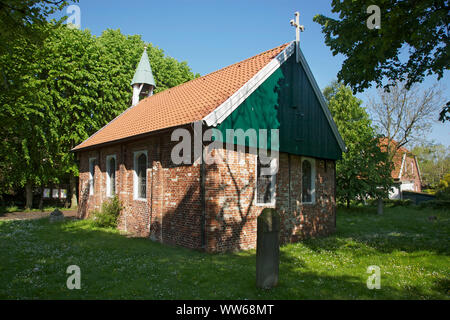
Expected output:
(143, 82)
(143, 74)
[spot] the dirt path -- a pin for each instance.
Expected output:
(35, 215)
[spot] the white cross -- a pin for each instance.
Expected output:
(298, 26)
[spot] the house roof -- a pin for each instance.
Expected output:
(210, 98)
(398, 158)
(185, 103)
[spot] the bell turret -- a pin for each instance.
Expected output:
(143, 82)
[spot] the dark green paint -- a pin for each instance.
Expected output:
(286, 101)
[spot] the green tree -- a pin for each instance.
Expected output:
(444, 115)
(416, 30)
(443, 188)
(27, 134)
(364, 171)
(434, 163)
(26, 20)
(62, 92)
(23, 27)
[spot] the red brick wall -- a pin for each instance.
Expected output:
(232, 211)
(410, 173)
(173, 211)
(300, 220)
(230, 206)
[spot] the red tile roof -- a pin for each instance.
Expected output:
(186, 103)
(398, 157)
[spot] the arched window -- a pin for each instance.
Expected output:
(140, 162)
(91, 175)
(265, 181)
(111, 176)
(308, 181)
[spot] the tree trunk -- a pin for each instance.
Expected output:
(73, 192)
(380, 206)
(348, 202)
(28, 195)
(41, 199)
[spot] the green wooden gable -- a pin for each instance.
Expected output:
(288, 101)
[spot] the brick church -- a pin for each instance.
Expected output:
(214, 207)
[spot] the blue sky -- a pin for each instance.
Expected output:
(212, 34)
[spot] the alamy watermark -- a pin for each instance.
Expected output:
(256, 141)
(73, 16)
(74, 280)
(374, 20)
(374, 279)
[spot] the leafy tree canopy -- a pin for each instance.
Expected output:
(26, 19)
(434, 162)
(364, 171)
(415, 29)
(61, 92)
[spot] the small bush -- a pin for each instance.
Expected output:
(429, 191)
(436, 204)
(9, 209)
(443, 189)
(109, 214)
(443, 194)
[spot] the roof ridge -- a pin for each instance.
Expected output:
(253, 57)
(211, 73)
(385, 140)
(147, 102)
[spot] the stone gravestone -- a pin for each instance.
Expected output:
(380, 206)
(267, 249)
(56, 215)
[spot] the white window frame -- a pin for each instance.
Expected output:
(91, 176)
(312, 161)
(136, 155)
(108, 177)
(273, 184)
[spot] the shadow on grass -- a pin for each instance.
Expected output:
(398, 229)
(116, 267)
(442, 285)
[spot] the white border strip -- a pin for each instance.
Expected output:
(136, 154)
(401, 168)
(226, 108)
(108, 177)
(418, 169)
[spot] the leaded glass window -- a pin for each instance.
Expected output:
(112, 176)
(306, 181)
(265, 184)
(142, 176)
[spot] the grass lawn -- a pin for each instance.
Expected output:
(11, 209)
(412, 252)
